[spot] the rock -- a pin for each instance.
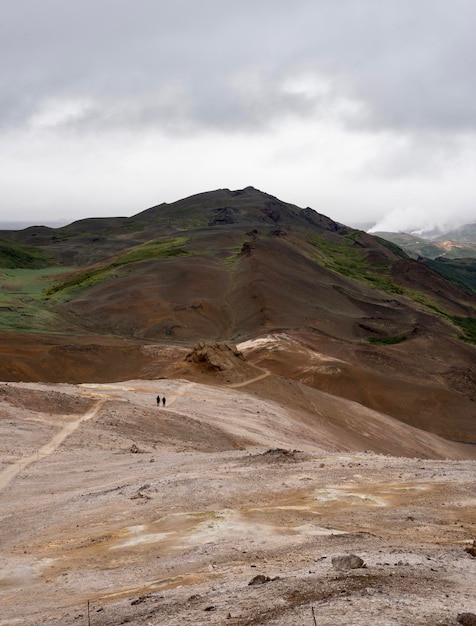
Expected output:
(218, 356)
(347, 561)
(260, 579)
(467, 619)
(195, 597)
(134, 449)
(140, 494)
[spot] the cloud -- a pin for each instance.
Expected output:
(410, 220)
(407, 68)
(353, 107)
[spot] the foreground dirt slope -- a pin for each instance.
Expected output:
(164, 515)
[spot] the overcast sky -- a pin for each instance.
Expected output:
(364, 110)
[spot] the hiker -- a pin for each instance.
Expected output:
(163, 400)
(158, 400)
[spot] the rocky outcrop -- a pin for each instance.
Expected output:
(218, 356)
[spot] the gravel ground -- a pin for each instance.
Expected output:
(218, 509)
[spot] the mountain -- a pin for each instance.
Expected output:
(460, 243)
(461, 272)
(453, 254)
(316, 303)
(465, 234)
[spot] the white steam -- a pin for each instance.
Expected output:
(417, 222)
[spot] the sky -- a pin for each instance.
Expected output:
(363, 110)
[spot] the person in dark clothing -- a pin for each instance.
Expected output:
(158, 400)
(163, 400)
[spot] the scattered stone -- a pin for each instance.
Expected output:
(471, 549)
(210, 608)
(347, 561)
(273, 455)
(140, 599)
(140, 494)
(467, 619)
(134, 449)
(280, 452)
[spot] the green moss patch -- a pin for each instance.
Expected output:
(467, 325)
(387, 341)
(345, 258)
(155, 249)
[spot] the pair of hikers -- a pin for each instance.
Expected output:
(158, 401)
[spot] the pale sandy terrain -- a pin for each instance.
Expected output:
(165, 515)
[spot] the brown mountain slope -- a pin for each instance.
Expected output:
(229, 264)
(403, 381)
(232, 284)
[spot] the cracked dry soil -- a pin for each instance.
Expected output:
(147, 518)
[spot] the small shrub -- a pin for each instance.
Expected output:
(387, 341)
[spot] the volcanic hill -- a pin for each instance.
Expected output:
(311, 301)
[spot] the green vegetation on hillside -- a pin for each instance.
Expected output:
(22, 302)
(387, 341)
(397, 250)
(17, 256)
(349, 260)
(155, 249)
(462, 272)
(467, 325)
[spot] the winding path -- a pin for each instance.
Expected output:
(9, 473)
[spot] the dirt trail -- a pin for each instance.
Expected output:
(8, 474)
(249, 381)
(180, 393)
